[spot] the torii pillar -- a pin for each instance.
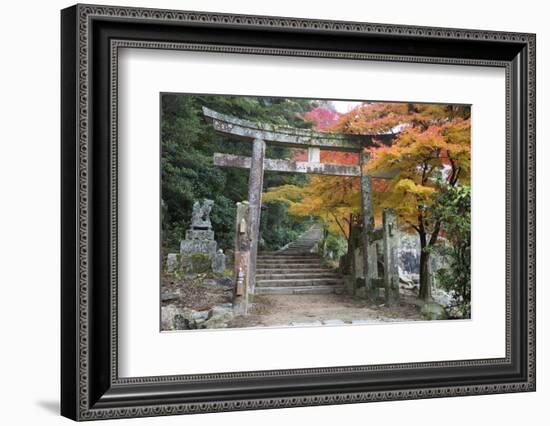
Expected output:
(369, 251)
(255, 187)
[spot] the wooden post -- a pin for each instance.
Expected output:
(370, 272)
(241, 261)
(391, 273)
(255, 187)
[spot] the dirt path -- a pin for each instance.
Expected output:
(284, 310)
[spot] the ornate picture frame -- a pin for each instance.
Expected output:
(91, 37)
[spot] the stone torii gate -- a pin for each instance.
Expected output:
(248, 216)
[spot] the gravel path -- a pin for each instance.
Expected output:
(330, 309)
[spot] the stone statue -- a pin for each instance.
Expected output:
(200, 218)
(199, 238)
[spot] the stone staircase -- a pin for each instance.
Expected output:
(305, 244)
(295, 270)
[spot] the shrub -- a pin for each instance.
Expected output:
(200, 263)
(335, 246)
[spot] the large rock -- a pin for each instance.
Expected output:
(174, 318)
(406, 279)
(442, 297)
(181, 322)
(220, 312)
(218, 317)
(199, 315)
(167, 315)
(433, 311)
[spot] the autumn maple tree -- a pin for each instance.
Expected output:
(430, 152)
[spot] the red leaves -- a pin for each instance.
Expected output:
(321, 117)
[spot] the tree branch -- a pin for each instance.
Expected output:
(339, 225)
(435, 233)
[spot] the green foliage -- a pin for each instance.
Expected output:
(335, 246)
(278, 228)
(466, 309)
(452, 208)
(200, 263)
(188, 142)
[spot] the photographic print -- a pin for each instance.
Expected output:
(285, 212)
(267, 210)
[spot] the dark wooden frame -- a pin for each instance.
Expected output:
(90, 386)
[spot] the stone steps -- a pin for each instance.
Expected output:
(287, 256)
(317, 289)
(289, 266)
(277, 263)
(295, 275)
(290, 260)
(299, 282)
(303, 244)
(294, 263)
(284, 270)
(295, 270)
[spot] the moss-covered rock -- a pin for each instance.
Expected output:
(433, 311)
(218, 317)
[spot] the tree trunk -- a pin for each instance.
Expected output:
(346, 261)
(425, 292)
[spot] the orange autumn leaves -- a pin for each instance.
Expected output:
(432, 145)
(331, 198)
